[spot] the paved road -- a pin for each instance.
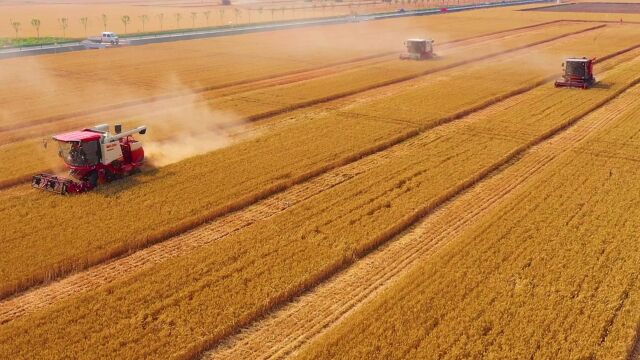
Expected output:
(242, 29)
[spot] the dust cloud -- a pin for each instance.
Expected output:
(193, 128)
(189, 125)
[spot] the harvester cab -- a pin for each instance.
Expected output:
(418, 49)
(578, 73)
(94, 155)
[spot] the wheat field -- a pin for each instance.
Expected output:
(310, 195)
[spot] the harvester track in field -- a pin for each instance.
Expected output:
(24, 130)
(298, 323)
(635, 351)
(120, 268)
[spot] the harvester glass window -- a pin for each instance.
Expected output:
(415, 47)
(79, 153)
(576, 68)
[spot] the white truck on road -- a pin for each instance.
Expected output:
(108, 39)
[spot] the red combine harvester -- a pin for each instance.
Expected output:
(418, 49)
(94, 156)
(578, 73)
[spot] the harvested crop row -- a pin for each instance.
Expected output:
(183, 305)
(301, 322)
(575, 225)
(210, 185)
(264, 103)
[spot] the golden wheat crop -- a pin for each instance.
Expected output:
(270, 101)
(208, 185)
(182, 305)
(556, 261)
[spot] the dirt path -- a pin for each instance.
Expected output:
(288, 329)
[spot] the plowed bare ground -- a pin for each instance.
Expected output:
(285, 331)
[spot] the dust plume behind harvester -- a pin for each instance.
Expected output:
(578, 73)
(93, 156)
(418, 49)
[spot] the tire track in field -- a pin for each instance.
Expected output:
(33, 295)
(254, 84)
(236, 88)
(298, 323)
(120, 268)
(635, 351)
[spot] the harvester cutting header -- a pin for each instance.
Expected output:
(94, 156)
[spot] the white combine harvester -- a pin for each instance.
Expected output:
(108, 39)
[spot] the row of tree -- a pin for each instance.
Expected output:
(63, 22)
(35, 23)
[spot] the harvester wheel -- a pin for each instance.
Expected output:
(109, 176)
(92, 178)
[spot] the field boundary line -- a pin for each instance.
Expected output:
(251, 339)
(138, 102)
